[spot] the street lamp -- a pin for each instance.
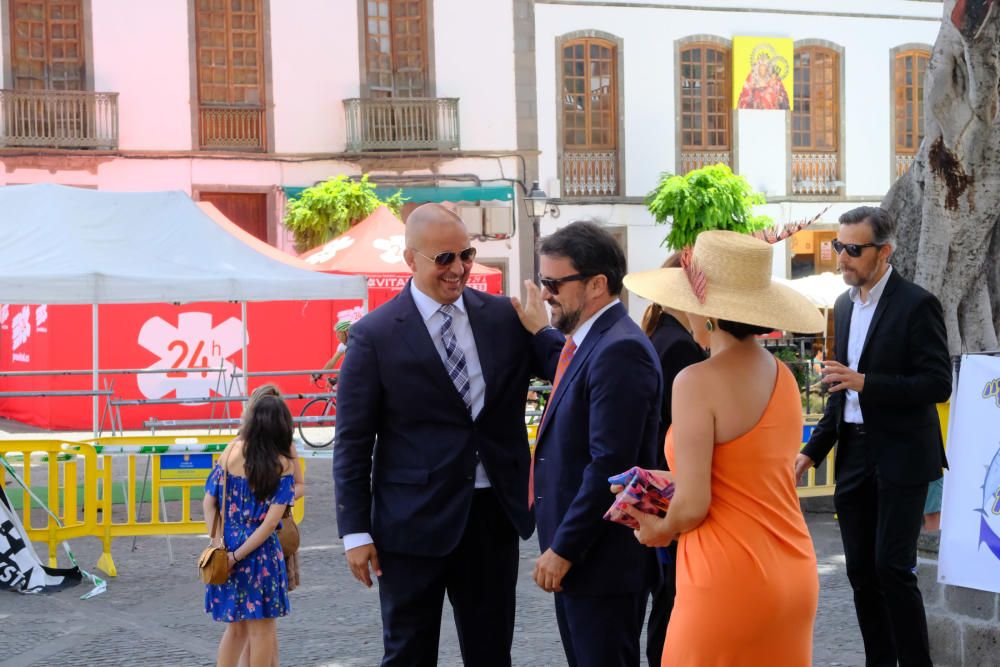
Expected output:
(537, 203)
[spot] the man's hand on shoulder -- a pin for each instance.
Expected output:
(358, 559)
(550, 568)
(532, 313)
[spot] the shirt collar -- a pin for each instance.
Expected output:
(428, 306)
(876, 292)
(582, 331)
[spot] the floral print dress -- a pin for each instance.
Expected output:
(258, 584)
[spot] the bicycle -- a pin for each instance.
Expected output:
(319, 408)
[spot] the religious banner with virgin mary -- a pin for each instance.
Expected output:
(762, 73)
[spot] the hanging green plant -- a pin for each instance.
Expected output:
(712, 197)
(330, 208)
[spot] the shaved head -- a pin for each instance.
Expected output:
(431, 231)
(425, 216)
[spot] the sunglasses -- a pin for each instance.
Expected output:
(853, 249)
(552, 284)
(448, 258)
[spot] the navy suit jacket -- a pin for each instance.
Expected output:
(602, 419)
(907, 372)
(404, 461)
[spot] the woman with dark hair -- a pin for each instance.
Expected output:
(253, 483)
(670, 332)
(747, 583)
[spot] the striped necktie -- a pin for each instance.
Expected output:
(565, 357)
(455, 363)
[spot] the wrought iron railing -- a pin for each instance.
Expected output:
(395, 124)
(232, 127)
(691, 160)
(815, 174)
(903, 163)
(58, 119)
(589, 173)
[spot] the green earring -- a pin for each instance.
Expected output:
(710, 326)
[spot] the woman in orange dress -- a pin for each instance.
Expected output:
(747, 582)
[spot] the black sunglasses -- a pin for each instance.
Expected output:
(448, 258)
(853, 249)
(552, 284)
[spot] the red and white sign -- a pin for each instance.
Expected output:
(281, 336)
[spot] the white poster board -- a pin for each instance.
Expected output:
(970, 518)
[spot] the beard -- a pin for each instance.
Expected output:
(853, 278)
(566, 321)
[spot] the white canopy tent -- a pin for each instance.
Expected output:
(64, 245)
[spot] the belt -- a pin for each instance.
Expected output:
(852, 430)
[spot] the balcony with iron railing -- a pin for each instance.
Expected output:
(234, 127)
(590, 173)
(903, 163)
(402, 124)
(816, 174)
(691, 160)
(58, 119)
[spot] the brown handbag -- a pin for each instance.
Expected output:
(213, 563)
(288, 534)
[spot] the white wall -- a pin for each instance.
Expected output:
(141, 52)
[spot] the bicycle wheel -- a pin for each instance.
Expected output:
(310, 431)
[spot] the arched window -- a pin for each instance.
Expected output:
(816, 121)
(705, 105)
(909, 69)
(589, 118)
(230, 43)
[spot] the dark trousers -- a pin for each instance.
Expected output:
(879, 524)
(601, 630)
(479, 577)
(664, 591)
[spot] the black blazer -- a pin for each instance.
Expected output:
(677, 350)
(907, 372)
(412, 491)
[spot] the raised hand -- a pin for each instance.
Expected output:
(532, 313)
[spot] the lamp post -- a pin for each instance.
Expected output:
(537, 202)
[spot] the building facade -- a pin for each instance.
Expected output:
(246, 102)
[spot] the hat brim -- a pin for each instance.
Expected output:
(775, 306)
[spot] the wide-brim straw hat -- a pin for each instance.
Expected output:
(737, 286)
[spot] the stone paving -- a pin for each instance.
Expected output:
(152, 613)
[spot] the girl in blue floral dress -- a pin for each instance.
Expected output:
(258, 485)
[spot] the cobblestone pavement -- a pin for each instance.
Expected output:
(152, 613)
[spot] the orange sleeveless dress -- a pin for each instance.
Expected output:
(747, 583)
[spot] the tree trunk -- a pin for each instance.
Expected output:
(948, 205)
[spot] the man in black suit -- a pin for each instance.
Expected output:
(891, 369)
(438, 377)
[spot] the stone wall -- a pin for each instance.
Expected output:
(963, 623)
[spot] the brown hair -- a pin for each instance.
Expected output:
(651, 317)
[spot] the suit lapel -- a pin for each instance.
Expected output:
(842, 327)
(475, 307)
(411, 328)
(597, 332)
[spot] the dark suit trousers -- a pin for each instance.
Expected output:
(879, 524)
(601, 630)
(479, 577)
(664, 592)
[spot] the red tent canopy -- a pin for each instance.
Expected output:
(374, 247)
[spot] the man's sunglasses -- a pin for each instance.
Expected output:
(448, 258)
(552, 284)
(853, 249)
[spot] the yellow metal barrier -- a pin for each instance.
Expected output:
(99, 482)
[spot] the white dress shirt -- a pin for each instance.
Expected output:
(861, 320)
(429, 310)
(582, 330)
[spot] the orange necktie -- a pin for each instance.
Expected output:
(566, 356)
